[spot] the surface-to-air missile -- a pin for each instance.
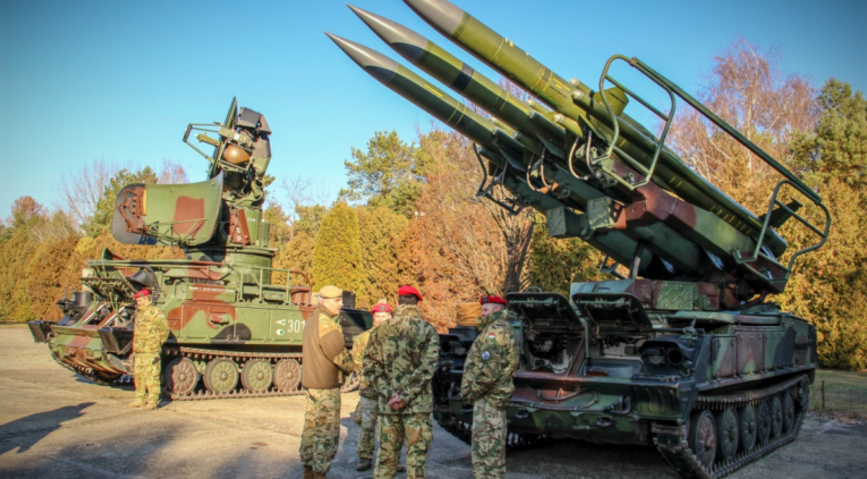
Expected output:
(233, 332)
(681, 352)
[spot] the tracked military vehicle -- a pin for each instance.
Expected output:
(682, 351)
(233, 332)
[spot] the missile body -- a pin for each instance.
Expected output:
(578, 102)
(683, 257)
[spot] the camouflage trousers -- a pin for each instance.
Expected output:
(365, 416)
(321, 435)
(393, 429)
(146, 373)
(489, 441)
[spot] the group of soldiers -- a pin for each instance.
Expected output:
(396, 360)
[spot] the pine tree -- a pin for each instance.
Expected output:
(337, 254)
(380, 230)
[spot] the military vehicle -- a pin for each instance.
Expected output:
(229, 322)
(681, 351)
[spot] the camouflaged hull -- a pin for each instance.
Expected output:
(643, 362)
(224, 341)
(233, 332)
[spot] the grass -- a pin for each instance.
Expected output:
(845, 394)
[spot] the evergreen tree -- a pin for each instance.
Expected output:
(295, 255)
(337, 253)
(309, 219)
(386, 175)
(380, 230)
(557, 263)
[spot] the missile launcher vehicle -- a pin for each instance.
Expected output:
(681, 351)
(236, 322)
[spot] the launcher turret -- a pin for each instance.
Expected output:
(593, 171)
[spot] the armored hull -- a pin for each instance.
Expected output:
(649, 363)
(233, 332)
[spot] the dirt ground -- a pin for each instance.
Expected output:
(54, 424)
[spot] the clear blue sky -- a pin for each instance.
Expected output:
(121, 80)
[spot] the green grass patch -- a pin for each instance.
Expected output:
(845, 393)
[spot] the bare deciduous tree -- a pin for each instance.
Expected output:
(81, 190)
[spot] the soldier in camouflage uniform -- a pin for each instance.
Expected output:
(366, 413)
(487, 382)
(151, 331)
(398, 364)
(324, 356)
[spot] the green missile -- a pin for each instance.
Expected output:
(579, 102)
(487, 135)
(424, 95)
(469, 83)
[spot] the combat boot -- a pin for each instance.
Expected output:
(308, 472)
(136, 403)
(150, 406)
(363, 464)
(319, 475)
(400, 468)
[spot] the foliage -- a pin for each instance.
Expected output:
(380, 231)
(557, 263)
(281, 232)
(309, 219)
(386, 175)
(337, 254)
(296, 255)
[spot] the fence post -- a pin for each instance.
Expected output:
(823, 394)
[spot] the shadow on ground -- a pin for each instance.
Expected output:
(25, 432)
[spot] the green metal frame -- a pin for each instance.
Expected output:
(486, 191)
(674, 90)
(647, 171)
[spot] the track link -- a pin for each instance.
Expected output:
(671, 441)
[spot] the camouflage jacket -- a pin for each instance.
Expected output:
(359, 345)
(151, 330)
(323, 352)
(491, 362)
(401, 358)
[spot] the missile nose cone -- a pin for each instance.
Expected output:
(440, 14)
(407, 42)
(378, 65)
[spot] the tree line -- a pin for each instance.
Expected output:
(409, 214)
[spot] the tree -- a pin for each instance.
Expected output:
(281, 232)
(295, 255)
(337, 254)
(387, 175)
(309, 219)
(81, 190)
(380, 231)
(838, 146)
(554, 264)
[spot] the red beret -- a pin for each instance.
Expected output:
(142, 293)
(493, 299)
(381, 308)
(408, 290)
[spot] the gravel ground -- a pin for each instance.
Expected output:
(56, 424)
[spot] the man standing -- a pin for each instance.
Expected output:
(366, 413)
(151, 331)
(324, 355)
(487, 382)
(398, 365)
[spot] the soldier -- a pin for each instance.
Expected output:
(366, 412)
(151, 331)
(487, 382)
(398, 365)
(324, 355)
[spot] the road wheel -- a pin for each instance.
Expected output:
(702, 437)
(776, 415)
(788, 403)
(180, 377)
(287, 375)
(221, 376)
(727, 433)
(257, 375)
(748, 426)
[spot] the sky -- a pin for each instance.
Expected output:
(120, 81)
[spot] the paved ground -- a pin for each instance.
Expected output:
(55, 424)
